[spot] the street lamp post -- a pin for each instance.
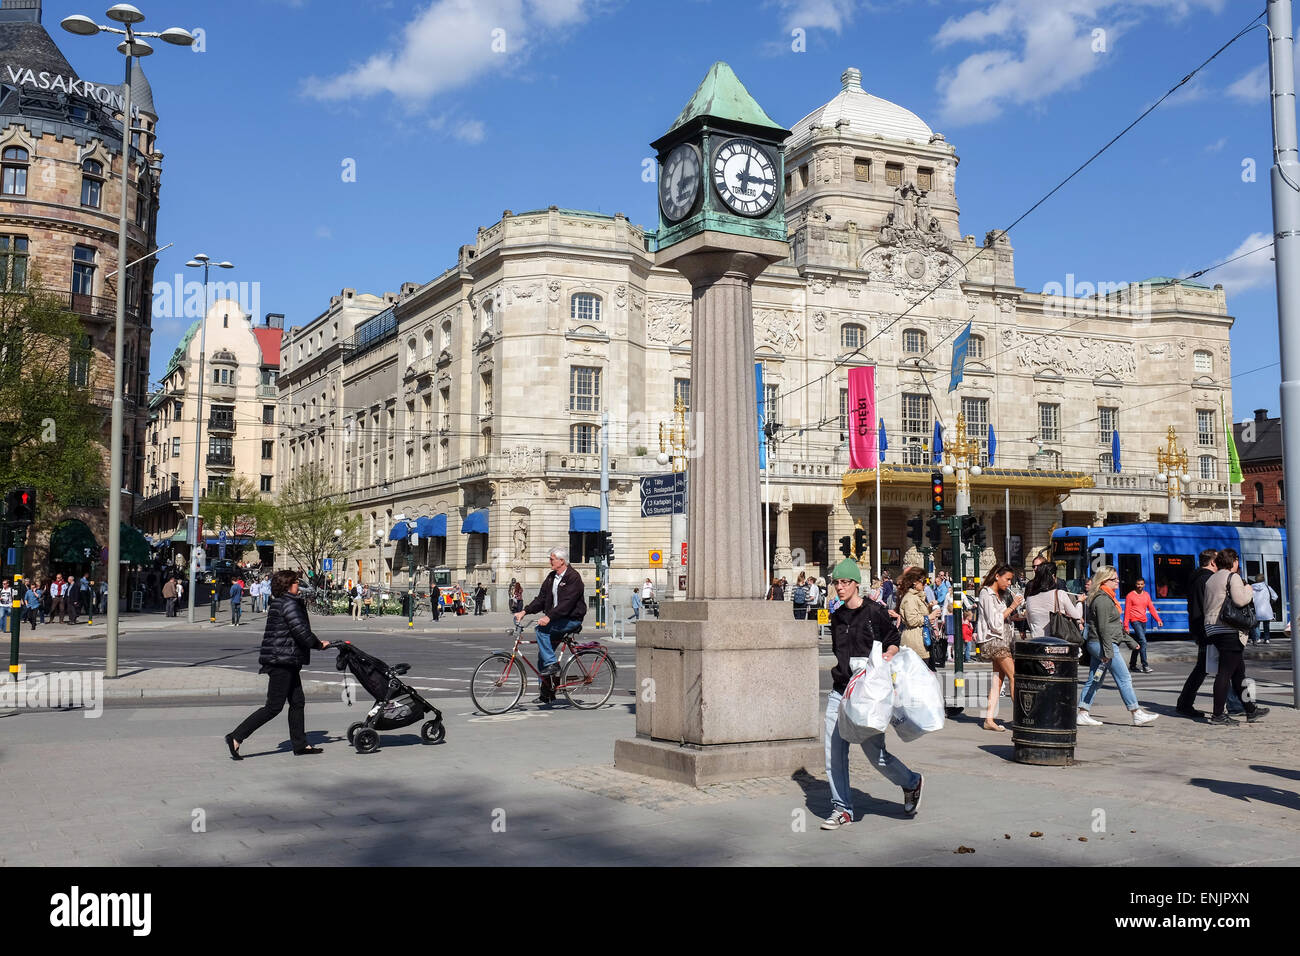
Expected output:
(1172, 462)
(133, 45)
(962, 458)
(198, 261)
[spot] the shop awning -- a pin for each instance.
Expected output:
(266, 543)
(476, 522)
(584, 519)
(181, 534)
(134, 549)
(432, 527)
(398, 533)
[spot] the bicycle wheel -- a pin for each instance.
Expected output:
(498, 683)
(588, 678)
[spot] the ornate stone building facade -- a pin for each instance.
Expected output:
(479, 395)
(61, 146)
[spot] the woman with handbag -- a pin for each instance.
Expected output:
(1229, 616)
(914, 613)
(1044, 598)
(1106, 635)
(993, 636)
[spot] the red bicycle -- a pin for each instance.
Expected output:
(587, 674)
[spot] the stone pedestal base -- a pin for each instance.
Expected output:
(726, 690)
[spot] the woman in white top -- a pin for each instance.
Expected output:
(992, 636)
(1044, 596)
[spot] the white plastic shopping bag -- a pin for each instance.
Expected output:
(868, 700)
(1211, 661)
(918, 698)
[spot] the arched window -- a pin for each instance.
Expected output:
(852, 336)
(582, 439)
(585, 307)
(1202, 362)
(1259, 492)
(92, 183)
(1208, 471)
(428, 342)
(15, 171)
(913, 341)
(446, 336)
(976, 348)
(487, 318)
(411, 353)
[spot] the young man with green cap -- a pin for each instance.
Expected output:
(855, 626)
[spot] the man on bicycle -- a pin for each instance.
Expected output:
(563, 606)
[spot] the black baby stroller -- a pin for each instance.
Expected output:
(396, 704)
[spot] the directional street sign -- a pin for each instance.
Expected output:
(663, 495)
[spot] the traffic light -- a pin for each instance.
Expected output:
(859, 542)
(979, 535)
(934, 531)
(936, 492)
(20, 506)
(914, 530)
(846, 545)
(606, 546)
(968, 528)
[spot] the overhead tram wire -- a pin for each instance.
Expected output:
(1024, 215)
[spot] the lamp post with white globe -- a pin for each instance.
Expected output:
(961, 457)
(1172, 462)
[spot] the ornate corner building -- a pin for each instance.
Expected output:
(61, 149)
(476, 398)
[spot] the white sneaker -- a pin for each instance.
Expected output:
(1141, 717)
(837, 819)
(1087, 720)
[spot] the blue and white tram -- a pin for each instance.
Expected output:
(1165, 556)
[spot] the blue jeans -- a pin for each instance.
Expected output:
(557, 626)
(235, 608)
(1097, 675)
(837, 759)
(4, 617)
(1139, 631)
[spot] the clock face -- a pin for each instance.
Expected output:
(745, 177)
(679, 182)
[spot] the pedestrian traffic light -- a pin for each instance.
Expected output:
(934, 531)
(607, 546)
(846, 545)
(968, 528)
(936, 492)
(914, 530)
(979, 536)
(859, 543)
(20, 506)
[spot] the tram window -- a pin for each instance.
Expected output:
(1071, 561)
(1130, 569)
(1252, 568)
(1173, 571)
(1273, 575)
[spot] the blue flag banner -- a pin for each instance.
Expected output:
(960, 346)
(993, 445)
(884, 440)
(936, 443)
(1114, 449)
(762, 417)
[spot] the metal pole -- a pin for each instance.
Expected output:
(410, 578)
(602, 593)
(20, 536)
(115, 450)
(195, 543)
(878, 570)
(767, 509)
(1008, 534)
(1285, 178)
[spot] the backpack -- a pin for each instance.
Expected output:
(801, 595)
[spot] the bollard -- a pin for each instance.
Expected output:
(1045, 706)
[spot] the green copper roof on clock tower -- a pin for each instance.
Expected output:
(721, 167)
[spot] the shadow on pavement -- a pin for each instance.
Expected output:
(1249, 791)
(1279, 771)
(817, 797)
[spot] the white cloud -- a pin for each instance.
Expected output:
(1251, 272)
(1217, 145)
(1039, 49)
(470, 131)
(817, 14)
(450, 44)
(1252, 87)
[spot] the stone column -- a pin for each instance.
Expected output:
(698, 720)
(783, 561)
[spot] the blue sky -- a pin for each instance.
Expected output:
(446, 131)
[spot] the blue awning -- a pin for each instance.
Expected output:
(266, 544)
(476, 522)
(399, 532)
(584, 519)
(432, 527)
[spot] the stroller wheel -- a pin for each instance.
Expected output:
(352, 731)
(367, 740)
(433, 732)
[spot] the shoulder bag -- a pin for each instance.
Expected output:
(1062, 625)
(1239, 617)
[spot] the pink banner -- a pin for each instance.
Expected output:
(863, 442)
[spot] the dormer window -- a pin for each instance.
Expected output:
(92, 183)
(585, 307)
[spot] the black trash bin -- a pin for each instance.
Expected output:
(1045, 706)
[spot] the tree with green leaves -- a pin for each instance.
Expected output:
(235, 506)
(306, 513)
(52, 419)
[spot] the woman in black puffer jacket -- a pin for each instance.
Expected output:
(286, 646)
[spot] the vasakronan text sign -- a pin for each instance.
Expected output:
(108, 95)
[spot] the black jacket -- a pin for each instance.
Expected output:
(572, 602)
(852, 634)
(288, 640)
(1196, 604)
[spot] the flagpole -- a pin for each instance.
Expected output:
(878, 571)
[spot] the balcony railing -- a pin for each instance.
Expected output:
(99, 307)
(268, 391)
(162, 499)
(221, 459)
(222, 423)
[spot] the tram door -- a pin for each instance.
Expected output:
(1273, 577)
(1129, 568)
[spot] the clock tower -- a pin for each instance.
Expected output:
(722, 223)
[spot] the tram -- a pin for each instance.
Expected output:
(1165, 557)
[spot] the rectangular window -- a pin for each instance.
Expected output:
(1105, 464)
(1173, 575)
(583, 546)
(268, 376)
(266, 482)
(924, 179)
(1208, 470)
(220, 447)
(15, 179)
(1204, 427)
(862, 170)
(139, 209)
(90, 192)
(582, 440)
(268, 414)
(772, 402)
(682, 392)
(1049, 422)
(913, 341)
(916, 416)
(13, 262)
(977, 424)
(803, 176)
(485, 393)
(216, 486)
(83, 270)
(79, 362)
(844, 409)
(1107, 422)
(893, 174)
(176, 412)
(584, 389)
(268, 449)
(176, 447)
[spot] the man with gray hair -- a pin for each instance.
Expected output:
(563, 606)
